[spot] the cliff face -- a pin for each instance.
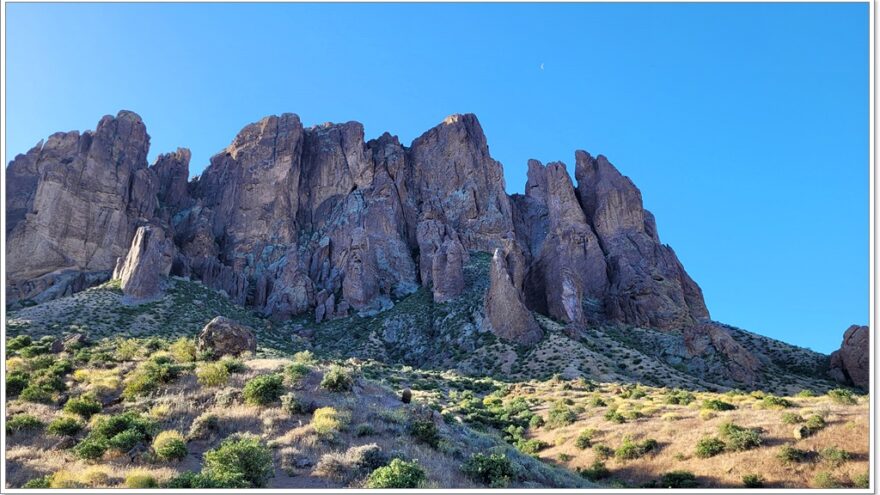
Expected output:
(290, 220)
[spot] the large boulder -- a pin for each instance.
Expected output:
(850, 364)
(148, 262)
(506, 311)
(222, 336)
(709, 338)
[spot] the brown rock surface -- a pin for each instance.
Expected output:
(148, 261)
(706, 338)
(851, 363)
(222, 336)
(505, 310)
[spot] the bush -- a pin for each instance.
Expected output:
(679, 397)
(343, 466)
(232, 364)
(595, 472)
(597, 401)
(149, 375)
(584, 439)
(64, 426)
(21, 422)
(16, 381)
(203, 425)
(717, 405)
(84, 406)
(614, 416)
(292, 405)
(263, 390)
(814, 423)
(337, 379)
(398, 474)
(774, 402)
(789, 454)
(737, 438)
(806, 393)
(560, 415)
(678, 479)
(183, 350)
(189, 479)
(536, 421)
(531, 447)
(708, 447)
(494, 470)
(824, 479)
(240, 460)
(41, 482)
(170, 445)
(834, 456)
(603, 451)
(19, 342)
(37, 393)
(753, 481)
(424, 431)
(139, 479)
(296, 371)
(212, 374)
(862, 481)
(91, 448)
(364, 430)
(327, 421)
(629, 450)
(121, 432)
(791, 418)
(842, 396)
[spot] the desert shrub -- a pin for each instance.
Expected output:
(304, 357)
(63, 479)
(806, 393)
(532, 446)
(834, 456)
(263, 390)
(364, 430)
(149, 375)
(679, 397)
(91, 448)
(584, 439)
(862, 480)
(41, 482)
(242, 460)
(16, 381)
(203, 425)
(95, 477)
(84, 406)
(614, 416)
(127, 349)
(494, 470)
(629, 450)
(842, 396)
(678, 479)
(774, 402)
(536, 421)
(212, 374)
(121, 432)
(169, 445)
(337, 379)
(824, 479)
(717, 405)
(791, 418)
(232, 364)
(398, 474)
(603, 451)
(560, 415)
(709, 447)
(597, 401)
(327, 421)
(595, 472)
(37, 393)
(790, 454)
(22, 422)
(140, 479)
(814, 423)
(17, 343)
(354, 461)
(183, 350)
(737, 438)
(753, 481)
(296, 371)
(425, 431)
(291, 404)
(64, 426)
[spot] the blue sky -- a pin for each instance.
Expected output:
(744, 125)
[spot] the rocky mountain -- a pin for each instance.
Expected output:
(291, 220)
(850, 363)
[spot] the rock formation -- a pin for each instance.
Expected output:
(148, 261)
(222, 336)
(710, 338)
(850, 364)
(507, 313)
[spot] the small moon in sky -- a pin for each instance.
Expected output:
(542, 66)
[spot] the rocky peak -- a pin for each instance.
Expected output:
(850, 364)
(172, 173)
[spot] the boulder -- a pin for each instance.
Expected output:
(850, 364)
(506, 311)
(710, 338)
(148, 262)
(222, 336)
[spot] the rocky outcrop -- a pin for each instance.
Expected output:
(172, 176)
(75, 200)
(850, 364)
(708, 339)
(147, 263)
(506, 311)
(222, 336)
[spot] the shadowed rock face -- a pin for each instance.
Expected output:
(850, 364)
(290, 220)
(148, 261)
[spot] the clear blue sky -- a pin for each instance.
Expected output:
(744, 125)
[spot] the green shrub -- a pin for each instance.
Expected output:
(41, 482)
(337, 379)
(327, 421)
(614, 416)
(560, 415)
(183, 350)
(629, 450)
(736, 438)
(17, 343)
(717, 405)
(121, 432)
(597, 401)
(126, 440)
(364, 430)
(603, 451)
(424, 431)
(64, 426)
(91, 448)
(536, 421)
(532, 446)
(494, 470)
(398, 474)
(149, 375)
(595, 472)
(834, 456)
(292, 405)
(584, 439)
(16, 381)
(678, 479)
(139, 479)
(232, 364)
(244, 459)
(84, 406)
(791, 418)
(22, 422)
(814, 423)
(806, 393)
(679, 397)
(753, 481)
(842, 396)
(189, 479)
(170, 445)
(824, 479)
(296, 371)
(709, 447)
(862, 480)
(37, 393)
(789, 454)
(263, 390)
(774, 402)
(212, 374)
